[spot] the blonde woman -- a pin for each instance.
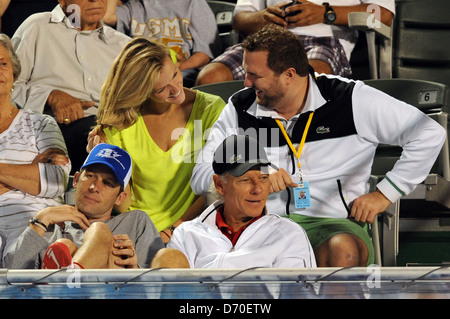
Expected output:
(145, 110)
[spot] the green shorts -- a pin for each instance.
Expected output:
(321, 229)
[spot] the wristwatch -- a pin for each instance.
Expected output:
(330, 15)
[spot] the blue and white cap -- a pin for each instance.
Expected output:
(115, 158)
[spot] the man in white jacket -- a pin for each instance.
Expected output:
(322, 132)
(238, 232)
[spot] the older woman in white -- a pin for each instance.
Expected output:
(34, 166)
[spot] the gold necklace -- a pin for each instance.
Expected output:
(168, 116)
(12, 111)
(6, 122)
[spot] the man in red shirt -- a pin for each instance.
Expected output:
(237, 231)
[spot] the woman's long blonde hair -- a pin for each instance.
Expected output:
(130, 83)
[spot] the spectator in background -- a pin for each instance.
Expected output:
(34, 167)
(66, 55)
(322, 28)
(188, 27)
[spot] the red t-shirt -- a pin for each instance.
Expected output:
(228, 231)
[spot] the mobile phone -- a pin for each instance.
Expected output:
(290, 14)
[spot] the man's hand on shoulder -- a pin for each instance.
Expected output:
(280, 180)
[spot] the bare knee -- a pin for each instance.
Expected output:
(342, 250)
(170, 258)
(98, 237)
(213, 73)
(320, 66)
(95, 252)
(70, 244)
(97, 229)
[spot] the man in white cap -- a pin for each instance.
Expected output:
(238, 232)
(90, 235)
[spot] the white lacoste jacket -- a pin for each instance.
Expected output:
(270, 242)
(350, 120)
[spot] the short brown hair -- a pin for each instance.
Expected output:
(284, 47)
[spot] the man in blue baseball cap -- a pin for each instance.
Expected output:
(118, 160)
(90, 234)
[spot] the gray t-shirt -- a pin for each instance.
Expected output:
(31, 247)
(186, 26)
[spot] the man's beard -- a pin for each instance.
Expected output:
(271, 98)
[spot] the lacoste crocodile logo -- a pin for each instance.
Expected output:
(235, 158)
(323, 130)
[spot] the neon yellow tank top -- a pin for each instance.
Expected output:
(161, 180)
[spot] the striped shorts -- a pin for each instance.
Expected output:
(327, 49)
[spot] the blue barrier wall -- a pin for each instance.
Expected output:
(321, 283)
